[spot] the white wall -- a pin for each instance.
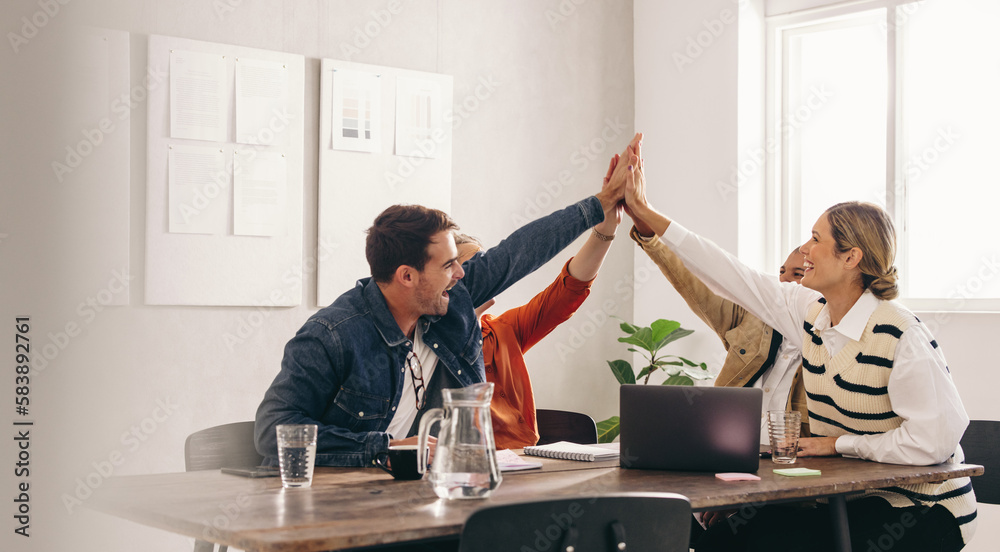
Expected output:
(559, 89)
(689, 115)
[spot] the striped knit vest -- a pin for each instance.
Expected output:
(848, 394)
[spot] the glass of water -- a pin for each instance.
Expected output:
(296, 454)
(783, 428)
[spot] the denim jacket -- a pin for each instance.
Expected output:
(344, 368)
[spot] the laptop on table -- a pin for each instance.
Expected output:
(684, 428)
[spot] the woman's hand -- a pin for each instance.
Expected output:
(613, 217)
(818, 446)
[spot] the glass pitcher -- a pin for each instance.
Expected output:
(465, 461)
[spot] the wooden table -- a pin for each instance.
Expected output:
(354, 507)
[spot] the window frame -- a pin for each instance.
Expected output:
(781, 194)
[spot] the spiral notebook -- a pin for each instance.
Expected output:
(564, 450)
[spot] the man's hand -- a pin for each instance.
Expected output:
(614, 191)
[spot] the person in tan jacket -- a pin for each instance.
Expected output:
(757, 354)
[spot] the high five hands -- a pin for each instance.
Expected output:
(625, 180)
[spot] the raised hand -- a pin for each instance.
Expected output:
(614, 191)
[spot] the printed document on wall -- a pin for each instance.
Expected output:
(197, 190)
(260, 193)
(420, 128)
(198, 96)
(357, 116)
(262, 115)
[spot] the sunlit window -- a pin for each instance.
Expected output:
(896, 103)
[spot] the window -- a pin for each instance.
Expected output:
(897, 103)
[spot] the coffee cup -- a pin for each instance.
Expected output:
(402, 462)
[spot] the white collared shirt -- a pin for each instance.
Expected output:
(920, 387)
(776, 383)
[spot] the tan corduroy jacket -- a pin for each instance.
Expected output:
(746, 338)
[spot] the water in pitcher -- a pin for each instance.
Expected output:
(468, 475)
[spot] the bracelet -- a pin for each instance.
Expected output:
(603, 237)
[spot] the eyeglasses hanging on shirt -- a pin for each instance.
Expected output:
(417, 377)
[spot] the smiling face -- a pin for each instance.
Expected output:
(441, 272)
(825, 268)
(793, 269)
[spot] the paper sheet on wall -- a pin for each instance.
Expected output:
(197, 190)
(357, 115)
(262, 115)
(420, 128)
(198, 96)
(260, 193)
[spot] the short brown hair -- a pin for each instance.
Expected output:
(869, 228)
(400, 236)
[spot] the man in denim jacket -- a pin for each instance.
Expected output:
(366, 366)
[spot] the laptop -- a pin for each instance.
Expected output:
(674, 427)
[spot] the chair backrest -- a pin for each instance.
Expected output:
(632, 521)
(563, 425)
(221, 446)
(981, 444)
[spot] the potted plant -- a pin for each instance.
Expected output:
(649, 340)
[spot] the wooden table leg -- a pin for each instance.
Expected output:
(838, 517)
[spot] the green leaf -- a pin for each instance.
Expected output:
(678, 379)
(633, 349)
(686, 361)
(607, 430)
(643, 337)
(673, 336)
(662, 328)
(662, 363)
(696, 374)
(628, 328)
(622, 371)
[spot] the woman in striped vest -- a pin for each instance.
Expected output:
(877, 383)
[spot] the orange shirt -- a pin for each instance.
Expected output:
(505, 340)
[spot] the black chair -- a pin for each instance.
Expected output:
(607, 523)
(563, 425)
(981, 444)
(229, 445)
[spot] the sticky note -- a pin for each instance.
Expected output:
(797, 472)
(737, 477)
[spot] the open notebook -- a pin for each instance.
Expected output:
(565, 450)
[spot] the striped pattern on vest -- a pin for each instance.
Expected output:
(848, 394)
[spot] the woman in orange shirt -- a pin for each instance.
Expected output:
(508, 336)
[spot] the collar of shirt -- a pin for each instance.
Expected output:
(851, 327)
